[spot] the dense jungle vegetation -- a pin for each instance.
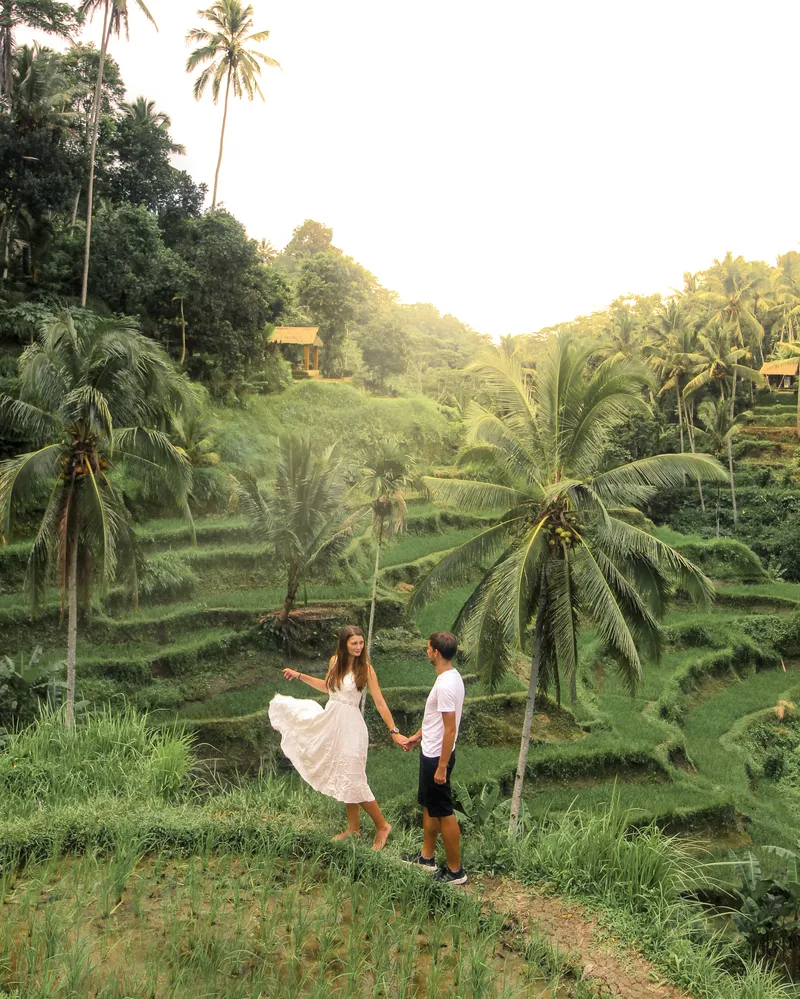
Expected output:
(605, 511)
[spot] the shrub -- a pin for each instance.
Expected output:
(168, 577)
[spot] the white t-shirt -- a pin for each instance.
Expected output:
(447, 695)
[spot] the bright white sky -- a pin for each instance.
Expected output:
(516, 163)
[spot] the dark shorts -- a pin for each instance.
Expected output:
(437, 798)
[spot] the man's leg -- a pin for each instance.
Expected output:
(430, 832)
(451, 837)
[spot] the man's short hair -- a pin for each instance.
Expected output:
(444, 643)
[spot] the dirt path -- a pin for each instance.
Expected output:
(612, 968)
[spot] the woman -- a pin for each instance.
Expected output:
(328, 746)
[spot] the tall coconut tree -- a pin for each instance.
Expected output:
(115, 17)
(385, 476)
(226, 49)
(562, 556)
(90, 395)
(718, 362)
(730, 290)
(719, 424)
(675, 354)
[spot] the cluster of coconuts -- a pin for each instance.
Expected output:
(563, 536)
(81, 464)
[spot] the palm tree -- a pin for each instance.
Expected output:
(676, 351)
(51, 16)
(625, 338)
(40, 101)
(719, 424)
(562, 555)
(719, 362)
(730, 292)
(142, 113)
(225, 49)
(386, 474)
(115, 16)
(266, 251)
(675, 355)
(304, 520)
(89, 395)
(43, 91)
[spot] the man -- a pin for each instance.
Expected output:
(437, 740)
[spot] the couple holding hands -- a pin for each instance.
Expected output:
(328, 746)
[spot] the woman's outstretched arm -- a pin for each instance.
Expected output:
(383, 707)
(312, 681)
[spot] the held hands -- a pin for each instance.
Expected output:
(290, 674)
(407, 742)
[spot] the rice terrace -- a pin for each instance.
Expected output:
(348, 649)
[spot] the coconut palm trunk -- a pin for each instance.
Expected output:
(519, 779)
(733, 486)
(288, 603)
(183, 337)
(691, 444)
(93, 151)
(680, 409)
(221, 139)
(72, 628)
(371, 628)
(730, 451)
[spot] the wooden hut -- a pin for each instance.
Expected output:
(781, 374)
(305, 337)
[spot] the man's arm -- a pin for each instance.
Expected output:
(449, 740)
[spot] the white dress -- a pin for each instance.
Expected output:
(328, 746)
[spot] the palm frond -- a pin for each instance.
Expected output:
(23, 472)
(483, 639)
(467, 494)
(598, 604)
(461, 562)
(662, 471)
(27, 421)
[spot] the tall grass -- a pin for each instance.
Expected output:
(110, 755)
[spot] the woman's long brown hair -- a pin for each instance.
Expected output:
(338, 669)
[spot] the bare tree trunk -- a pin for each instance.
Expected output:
(372, 606)
(7, 53)
(221, 141)
(680, 411)
(183, 337)
(72, 630)
(98, 93)
(519, 779)
(6, 248)
(691, 444)
(733, 487)
(74, 218)
(288, 605)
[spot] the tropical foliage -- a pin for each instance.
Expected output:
(564, 554)
(92, 393)
(305, 521)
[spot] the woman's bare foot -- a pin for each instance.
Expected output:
(347, 834)
(381, 835)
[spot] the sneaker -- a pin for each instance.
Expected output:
(448, 877)
(426, 863)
